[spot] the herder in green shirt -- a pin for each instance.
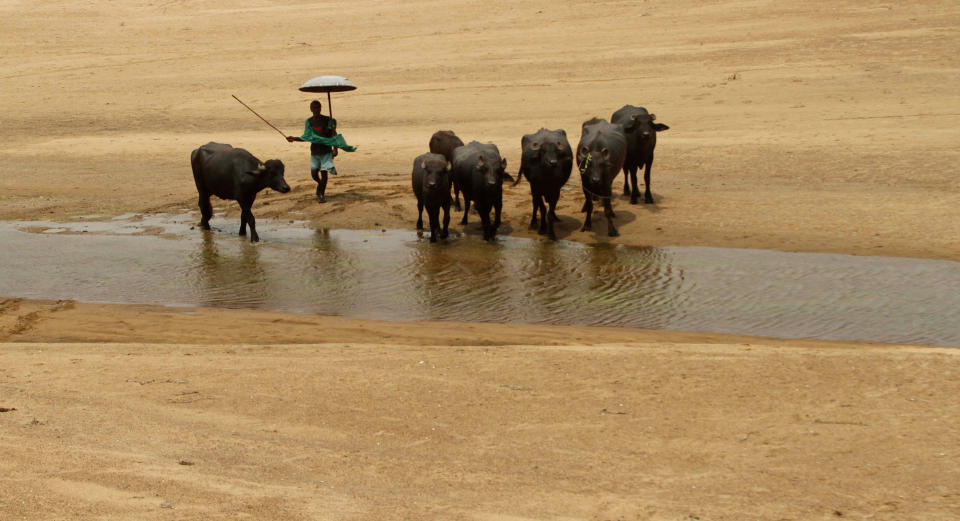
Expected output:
(321, 132)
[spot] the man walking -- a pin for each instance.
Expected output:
(321, 132)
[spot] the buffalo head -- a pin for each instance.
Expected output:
(436, 175)
(551, 151)
(492, 172)
(595, 166)
(643, 125)
(271, 174)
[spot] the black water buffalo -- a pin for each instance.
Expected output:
(641, 131)
(234, 174)
(600, 156)
(431, 185)
(547, 161)
(479, 171)
(444, 142)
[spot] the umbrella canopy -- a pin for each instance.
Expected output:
(328, 84)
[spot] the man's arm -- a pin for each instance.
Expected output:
(306, 127)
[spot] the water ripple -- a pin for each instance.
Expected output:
(398, 276)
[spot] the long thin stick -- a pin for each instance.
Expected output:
(259, 116)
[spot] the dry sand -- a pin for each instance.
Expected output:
(814, 126)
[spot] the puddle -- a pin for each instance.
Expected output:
(395, 275)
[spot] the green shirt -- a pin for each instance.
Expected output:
(336, 141)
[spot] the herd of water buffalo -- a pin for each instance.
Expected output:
(625, 143)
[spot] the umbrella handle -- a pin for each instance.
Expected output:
(329, 105)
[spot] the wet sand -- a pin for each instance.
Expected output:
(826, 127)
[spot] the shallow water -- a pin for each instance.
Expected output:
(396, 275)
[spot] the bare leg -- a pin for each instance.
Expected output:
(322, 187)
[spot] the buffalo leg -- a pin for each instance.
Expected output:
(253, 227)
(420, 213)
(626, 180)
(246, 217)
(647, 194)
(535, 196)
(433, 212)
(635, 192)
(446, 220)
(206, 211)
(466, 210)
(608, 212)
(243, 221)
(485, 222)
(552, 216)
(588, 208)
(544, 215)
(497, 209)
(553, 201)
(456, 195)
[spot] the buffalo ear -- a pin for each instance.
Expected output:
(480, 161)
(563, 132)
(503, 164)
(606, 153)
(660, 127)
(508, 177)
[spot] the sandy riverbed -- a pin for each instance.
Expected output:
(823, 127)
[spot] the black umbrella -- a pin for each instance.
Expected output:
(328, 84)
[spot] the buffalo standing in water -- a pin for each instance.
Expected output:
(479, 171)
(547, 161)
(233, 174)
(641, 133)
(431, 185)
(444, 142)
(600, 156)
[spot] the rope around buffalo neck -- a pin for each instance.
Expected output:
(583, 169)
